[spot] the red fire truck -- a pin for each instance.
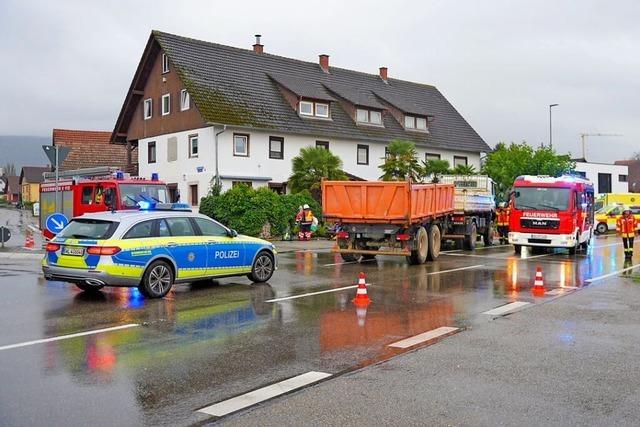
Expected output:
(551, 212)
(94, 190)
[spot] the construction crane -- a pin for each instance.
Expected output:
(583, 138)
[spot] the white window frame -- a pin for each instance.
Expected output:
(306, 103)
(409, 122)
(168, 97)
(360, 111)
(280, 141)
(185, 100)
(376, 113)
(147, 111)
(318, 104)
(191, 139)
(421, 120)
(165, 63)
(246, 141)
(434, 156)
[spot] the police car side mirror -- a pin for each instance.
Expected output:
(232, 233)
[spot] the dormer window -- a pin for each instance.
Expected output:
(369, 116)
(165, 63)
(415, 123)
(314, 109)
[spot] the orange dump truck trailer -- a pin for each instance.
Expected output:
(388, 218)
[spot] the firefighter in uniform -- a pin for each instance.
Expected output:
(626, 226)
(502, 221)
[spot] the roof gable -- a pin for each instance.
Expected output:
(89, 149)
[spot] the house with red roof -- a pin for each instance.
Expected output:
(91, 149)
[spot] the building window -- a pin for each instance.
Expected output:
(413, 122)
(362, 116)
(193, 194)
(185, 100)
(431, 156)
(165, 63)
(193, 145)
(151, 152)
(148, 108)
(166, 104)
(276, 147)
(622, 178)
(306, 108)
(87, 195)
(236, 183)
(604, 183)
(322, 144)
(278, 187)
(375, 117)
(240, 145)
(322, 110)
(421, 123)
(368, 116)
(363, 154)
(459, 161)
(409, 122)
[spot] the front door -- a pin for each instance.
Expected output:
(185, 246)
(225, 254)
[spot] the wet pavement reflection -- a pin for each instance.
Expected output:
(206, 342)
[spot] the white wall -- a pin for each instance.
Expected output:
(184, 172)
(591, 170)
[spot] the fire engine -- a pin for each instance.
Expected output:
(95, 190)
(551, 212)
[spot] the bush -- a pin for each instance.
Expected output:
(259, 212)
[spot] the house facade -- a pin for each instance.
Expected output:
(607, 178)
(30, 179)
(199, 111)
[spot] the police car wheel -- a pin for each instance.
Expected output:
(157, 280)
(262, 268)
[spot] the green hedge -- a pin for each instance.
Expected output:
(257, 212)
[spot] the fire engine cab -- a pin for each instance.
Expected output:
(99, 189)
(551, 212)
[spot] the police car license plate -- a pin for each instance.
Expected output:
(73, 251)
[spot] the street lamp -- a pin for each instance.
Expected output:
(550, 133)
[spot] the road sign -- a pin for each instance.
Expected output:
(5, 234)
(56, 222)
(50, 151)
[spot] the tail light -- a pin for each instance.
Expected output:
(103, 250)
(52, 247)
(343, 235)
(403, 237)
(458, 219)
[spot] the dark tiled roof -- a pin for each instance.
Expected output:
(302, 88)
(232, 86)
(13, 184)
(356, 96)
(89, 149)
(33, 174)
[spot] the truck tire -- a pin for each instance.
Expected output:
(421, 241)
(471, 238)
(348, 257)
(573, 250)
(435, 240)
(487, 236)
(517, 249)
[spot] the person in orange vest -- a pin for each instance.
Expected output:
(502, 221)
(305, 218)
(627, 226)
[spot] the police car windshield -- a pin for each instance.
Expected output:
(542, 199)
(88, 229)
(130, 194)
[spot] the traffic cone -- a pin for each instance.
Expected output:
(29, 242)
(361, 312)
(538, 284)
(361, 299)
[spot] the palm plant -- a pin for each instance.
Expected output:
(434, 168)
(311, 166)
(464, 170)
(401, 162)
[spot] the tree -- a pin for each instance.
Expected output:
(464, 170)
(635, 156)
(311, 166)
(9, 169)
(434, 168)
(401, 162)
(506, 162)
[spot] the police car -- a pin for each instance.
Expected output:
(152, 249)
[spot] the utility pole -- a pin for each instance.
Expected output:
(550, 128)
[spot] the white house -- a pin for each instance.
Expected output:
(607, 178)
(262, 109)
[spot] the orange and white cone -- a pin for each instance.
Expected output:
(361, 312)
(361, 299)
(538, 284)
(28, 242)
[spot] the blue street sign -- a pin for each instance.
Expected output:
(56, 222)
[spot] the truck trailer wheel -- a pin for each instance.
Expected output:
(421, 243)
(435, 239)
(471, 238)
(487, 236)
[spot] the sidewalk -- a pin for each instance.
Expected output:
(572, 361)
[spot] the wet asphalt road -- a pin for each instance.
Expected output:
(205, 343)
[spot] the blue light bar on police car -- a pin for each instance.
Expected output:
(146, 205)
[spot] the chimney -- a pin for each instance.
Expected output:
(324, 62)
(258, 48)
(383, 74)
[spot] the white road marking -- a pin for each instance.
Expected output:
(560, 291)
(595, 279)
(507, 308)
(65, 337)
(426, 336)
(253, 397)
(455, 269)
(312, 293)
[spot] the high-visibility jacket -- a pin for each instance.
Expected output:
(307, 217)
(626, 226)
(503, 217)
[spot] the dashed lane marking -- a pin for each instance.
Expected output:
(615, 273)
(260, 395)
(65, 337)
(507, 308)
(455, 269)
(424, 337)
(311, 293)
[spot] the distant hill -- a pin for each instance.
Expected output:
(23, 150)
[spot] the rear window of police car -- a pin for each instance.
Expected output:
(89, 229)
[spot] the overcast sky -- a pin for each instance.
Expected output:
(68, 64)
